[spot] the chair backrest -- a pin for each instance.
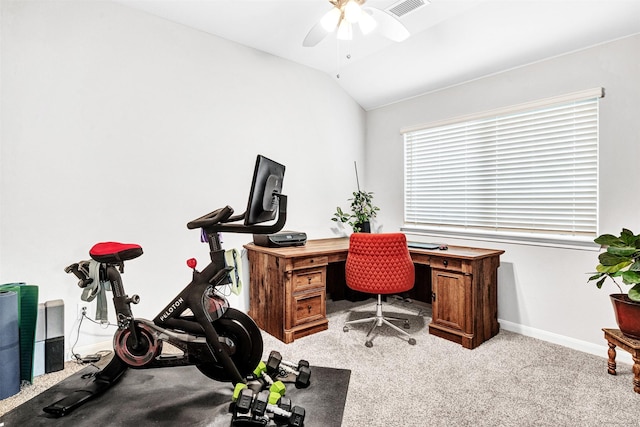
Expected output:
(379, 263)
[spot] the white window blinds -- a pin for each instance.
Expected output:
(532, 169)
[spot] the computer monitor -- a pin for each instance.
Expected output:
(267, 181)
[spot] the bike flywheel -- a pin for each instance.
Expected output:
(243, 342)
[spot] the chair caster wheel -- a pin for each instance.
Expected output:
(368, 344)
(412, 341)
(345, 329)
(406, 325)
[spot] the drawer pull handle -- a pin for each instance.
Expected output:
(309, 279)
(309, 308)
(445, 262)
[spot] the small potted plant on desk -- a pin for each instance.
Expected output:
(622, 261)
(362, 210)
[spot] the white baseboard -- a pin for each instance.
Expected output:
(584, 346)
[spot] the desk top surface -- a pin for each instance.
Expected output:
(340, 245)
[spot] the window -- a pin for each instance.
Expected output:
(529, 171)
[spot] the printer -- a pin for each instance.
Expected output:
(282, 239)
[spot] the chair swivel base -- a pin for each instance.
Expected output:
(378, 320)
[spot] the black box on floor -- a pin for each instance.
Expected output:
(54, 354)
(54, 331)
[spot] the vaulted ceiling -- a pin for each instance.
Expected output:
(451, 41)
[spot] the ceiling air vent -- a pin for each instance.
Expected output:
(405, 6)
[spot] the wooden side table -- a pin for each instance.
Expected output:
(615, 338)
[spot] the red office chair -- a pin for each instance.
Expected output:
(379, 264)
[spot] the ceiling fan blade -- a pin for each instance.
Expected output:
(388, 26)
(315, 35)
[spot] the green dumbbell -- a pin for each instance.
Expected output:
(274, 386)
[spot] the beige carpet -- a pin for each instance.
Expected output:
(40, 384)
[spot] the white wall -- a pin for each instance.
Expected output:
(542, 290)
(117, 125)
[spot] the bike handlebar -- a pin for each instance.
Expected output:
(212, 218)
(83, 281)
(220, 221)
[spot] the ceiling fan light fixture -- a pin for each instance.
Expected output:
(352, 12)
(330, 19)
(367, 23)
(346, 13)
(345, 31)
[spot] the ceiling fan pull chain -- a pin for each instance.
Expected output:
(337, 58)
(339, 55)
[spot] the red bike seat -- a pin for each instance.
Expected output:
(114, 252)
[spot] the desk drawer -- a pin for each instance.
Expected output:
(315, 261)
(444, 263)
(308, 307)
(308, 279)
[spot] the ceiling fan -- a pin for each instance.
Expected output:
(346, 14)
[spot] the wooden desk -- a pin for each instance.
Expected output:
(287, 289)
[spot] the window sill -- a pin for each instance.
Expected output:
(532, 239)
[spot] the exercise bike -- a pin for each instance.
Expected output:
(223, 343)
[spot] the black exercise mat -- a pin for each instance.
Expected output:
(175, 396)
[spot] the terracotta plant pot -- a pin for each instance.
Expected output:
(627, 315)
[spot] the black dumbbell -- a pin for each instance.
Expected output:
(284, 403)
(260, 403)
(276, 366)
(275, 360)
(259, 406)
(294, 417)
(244, 401)
(243, 404)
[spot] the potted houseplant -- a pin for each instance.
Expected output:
(362, 210)
(621, 261)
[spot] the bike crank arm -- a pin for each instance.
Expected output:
(218, 349)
